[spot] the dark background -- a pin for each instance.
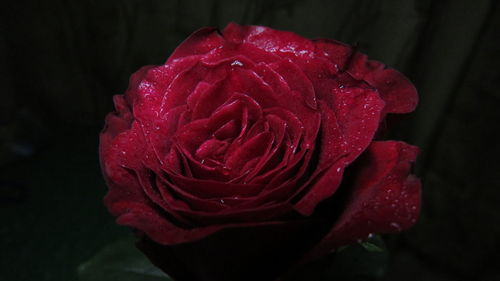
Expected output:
(61, 61)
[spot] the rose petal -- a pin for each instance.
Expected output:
(282, 43)
(119, 121)
(238, 106)
(201, 41)
(248, 82)
(238, 55)
(131, 94)
(297, 81)
(215, 189)
(192, 135)
(395, 89)
(183, 83)
(357, 112)
(337, 52)
(383, 199)
(162, 131)
(155, 226)
(170, 192)
(257, 146)
(278, 127)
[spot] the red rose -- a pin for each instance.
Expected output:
(252, 149)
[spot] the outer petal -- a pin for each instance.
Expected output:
(283, 43)
(384, 197)
(347, 131)
(336, 52)
(200, 42)
(395, 89)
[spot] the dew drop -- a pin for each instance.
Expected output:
(338, 170)
(222, 201)
(236, 63)
(226, 171)
(396, 226)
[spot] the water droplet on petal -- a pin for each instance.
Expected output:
(236, 63)
(396, 226)
(226, 171)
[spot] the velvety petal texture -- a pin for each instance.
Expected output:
(232, 145)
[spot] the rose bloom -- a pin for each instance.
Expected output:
(252, 150)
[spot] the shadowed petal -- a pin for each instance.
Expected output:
(384, 197)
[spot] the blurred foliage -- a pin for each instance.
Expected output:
(61, 61)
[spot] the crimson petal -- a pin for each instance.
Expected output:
(384, 197)
(395, 89)
(357, 112)
(201, 41)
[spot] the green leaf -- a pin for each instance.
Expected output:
(120, 261)
(371, 247)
